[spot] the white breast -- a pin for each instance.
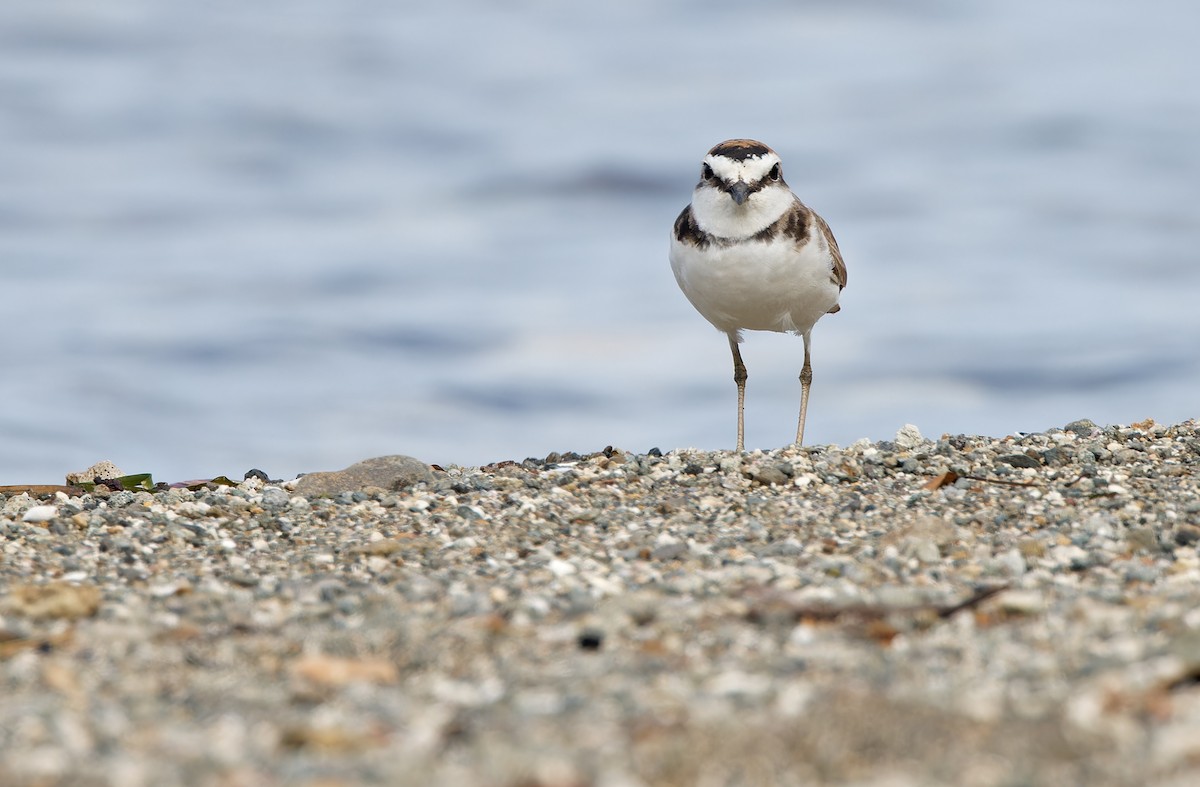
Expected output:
(757, 285)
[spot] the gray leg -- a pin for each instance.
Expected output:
(805, 384)
(739, 377)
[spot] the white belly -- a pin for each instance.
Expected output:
(757, 286)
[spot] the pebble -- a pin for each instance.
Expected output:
(908, 438)
(385, 472)
(1019, 460)
(103, 470)
(821, 615)
(38, 514)
(274, 497)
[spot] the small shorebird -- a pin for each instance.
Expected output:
(749, 255)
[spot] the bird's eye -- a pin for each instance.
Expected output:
(706, 172)
(774, 174)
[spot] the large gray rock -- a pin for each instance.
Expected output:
(386, 472)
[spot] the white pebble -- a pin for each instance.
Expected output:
(908, 437)
(561, 568)
(1024, 602)
(40, 514)
(1013, 562)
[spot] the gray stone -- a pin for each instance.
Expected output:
(1143, 539)
(120, 499)
(1083, 427)
(1057, 457)
(1126, 456)
(768, 474)
(675, 551)
(274, 497)
(1019, 460)
(392, 473)
(242, 579)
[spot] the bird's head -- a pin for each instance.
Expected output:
(741, 188)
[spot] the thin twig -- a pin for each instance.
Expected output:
(1000, 481)
(980, 595)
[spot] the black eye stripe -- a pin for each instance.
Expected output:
(773, 175)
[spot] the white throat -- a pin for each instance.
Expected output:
(719, 215)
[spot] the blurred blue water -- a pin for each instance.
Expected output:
(294, 235)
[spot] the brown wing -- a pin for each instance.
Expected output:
(837, 273)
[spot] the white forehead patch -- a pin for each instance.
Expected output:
(750, 170)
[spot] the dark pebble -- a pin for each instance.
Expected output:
(1186, 535)
(591, 640)
(1082, 427)
(1019, 460)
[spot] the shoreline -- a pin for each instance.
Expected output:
(965, 610)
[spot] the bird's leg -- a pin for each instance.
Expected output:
(805, 384)
(739, 377)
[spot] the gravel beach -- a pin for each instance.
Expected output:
(955, 611)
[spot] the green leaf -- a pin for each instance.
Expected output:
(138, 482)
